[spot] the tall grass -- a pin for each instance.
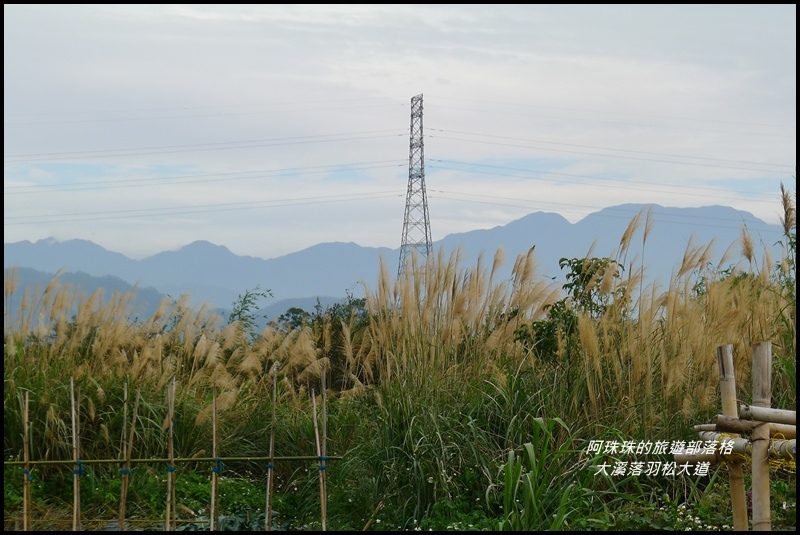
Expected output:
(434, 391)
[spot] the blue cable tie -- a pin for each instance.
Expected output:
(28, 473)
(79, 471)
(170, 468)
(218, 468)
(125, 471)
(322, 467)
(323, 458)
(270, 466)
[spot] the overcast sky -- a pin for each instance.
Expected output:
(269, 129)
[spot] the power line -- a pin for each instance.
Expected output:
(605, 155)
(624, 114)
(186, 210)
(197, 178)
(699, 188)
(219, 114)
(617, 149)
(58, 156)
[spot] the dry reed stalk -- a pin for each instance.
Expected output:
(788, 216)
(747, 246)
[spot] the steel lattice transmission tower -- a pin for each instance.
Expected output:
(416, 223)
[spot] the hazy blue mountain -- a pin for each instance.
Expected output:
(213, 274)
(671, 231)
(143, 305)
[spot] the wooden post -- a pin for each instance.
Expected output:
(762, 393)
(26, 483)
(271, 463)
(727, 386)
(77, 469)
(170, 523)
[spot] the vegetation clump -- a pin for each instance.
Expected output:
(455, 400)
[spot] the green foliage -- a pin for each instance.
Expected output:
(293, 318)
(542, 487)
(584, 283)
(456, 515)
(335, 328)
(441, 403)
(245, 309)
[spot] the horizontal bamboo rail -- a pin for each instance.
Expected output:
(765, 414)
(727, 424)
(177, 460)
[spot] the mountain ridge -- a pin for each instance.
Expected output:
(212, 273)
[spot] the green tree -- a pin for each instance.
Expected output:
(246, 307)
(293, 318)
(557, 335)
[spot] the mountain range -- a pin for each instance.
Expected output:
(327, 272)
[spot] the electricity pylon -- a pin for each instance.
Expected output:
(416, 223)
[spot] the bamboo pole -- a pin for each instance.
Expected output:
(77, 469)
(126, 467)
(26, 483)
(215, 470)
(762, 414)
(727, 385)
(762, 392)
(170, 523)
(323, 479)
(155, 460)
(778, 448)
(728, 424)
(124, 436)
(271, 463)
(320, 465)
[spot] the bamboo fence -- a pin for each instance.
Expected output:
(755, 432)
(127, 461)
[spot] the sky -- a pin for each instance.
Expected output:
(269, 129)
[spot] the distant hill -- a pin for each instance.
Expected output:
(329, 271)
(145, 301)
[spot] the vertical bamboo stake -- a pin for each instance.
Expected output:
(323, 479)
(762, 393)
(320, 464)
(727, 387)
(26, 484)
(170, 523)
(78, 466)
(271, 464)
(215, 470)
(126, 468)
(124, 435)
